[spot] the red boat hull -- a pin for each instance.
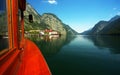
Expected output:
(27, 61)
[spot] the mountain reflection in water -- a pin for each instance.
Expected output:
(111, 42)
(82, 55)
(50, 45)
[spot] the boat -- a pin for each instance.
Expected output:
(21, 56)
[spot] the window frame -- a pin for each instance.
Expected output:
(6, 49)
(12, 23)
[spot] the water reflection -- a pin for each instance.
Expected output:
(81, 55)
(3, 43)
(51, 45)
(3, 26)
(110, 42)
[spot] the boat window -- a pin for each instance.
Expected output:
(3, 26)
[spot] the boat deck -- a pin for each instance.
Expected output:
(27, 61)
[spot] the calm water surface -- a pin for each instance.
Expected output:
(3, 43)
(82, 55)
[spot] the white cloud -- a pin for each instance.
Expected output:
(114, 8)
(52, 1)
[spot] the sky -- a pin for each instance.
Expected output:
(80, 15)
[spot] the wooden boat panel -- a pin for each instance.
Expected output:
(28, 61)
(33, 62)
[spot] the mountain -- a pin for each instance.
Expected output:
(98, 27)
(44, 21)
(53, 22)
(111, 27)
(114, 18)
(36, 18)
(3, 23)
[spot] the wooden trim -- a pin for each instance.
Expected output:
(15, 22)
(9, 21)
(6, 54)
(3, 52)
(7, 60)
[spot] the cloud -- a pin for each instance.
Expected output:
(52, 1)
(114, 8)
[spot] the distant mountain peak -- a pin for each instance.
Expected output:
(111, 27)
(114, 18)
(51, 14)
(101, 22)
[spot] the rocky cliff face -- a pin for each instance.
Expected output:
(53, 22)
(36, 18)
(45, 21)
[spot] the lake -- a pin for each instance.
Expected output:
(81, 55)
(3, 43)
